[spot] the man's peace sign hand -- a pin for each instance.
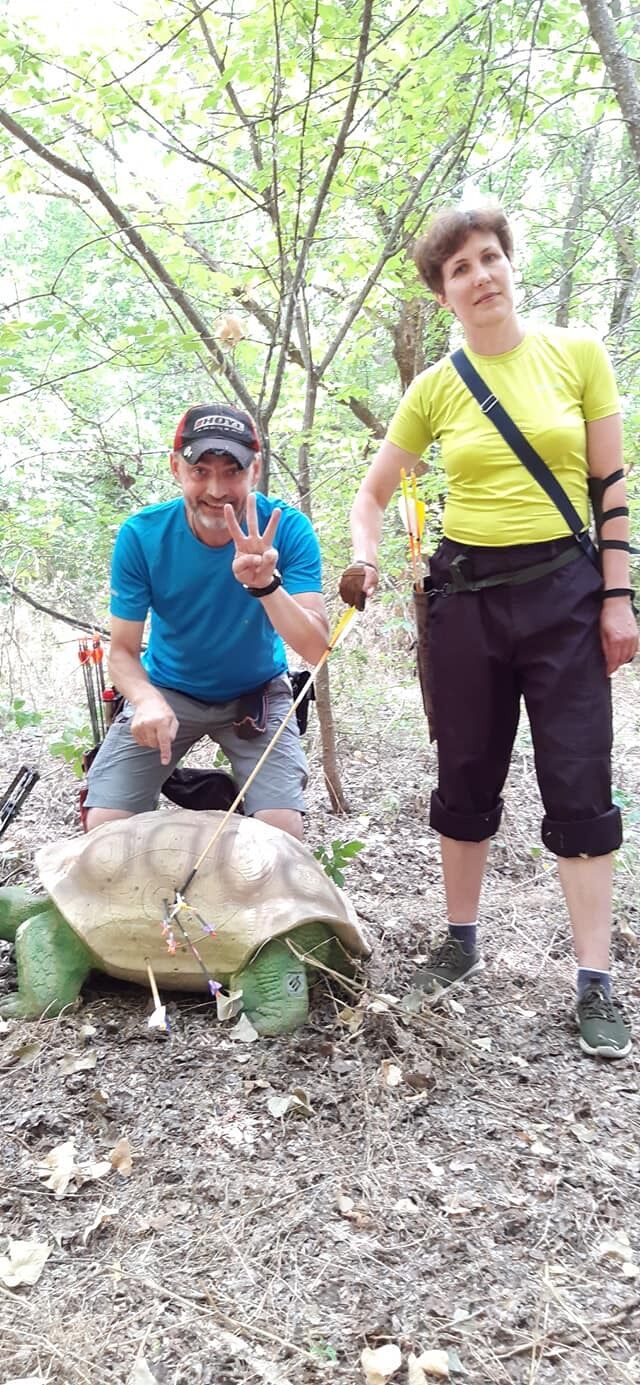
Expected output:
(256, 558)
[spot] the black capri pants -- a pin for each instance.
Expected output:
(539, 641)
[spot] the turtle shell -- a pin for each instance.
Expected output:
(254, 883)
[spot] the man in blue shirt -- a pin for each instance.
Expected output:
(223, 601)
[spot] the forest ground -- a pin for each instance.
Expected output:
(460, 1180)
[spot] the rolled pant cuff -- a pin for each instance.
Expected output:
(464, 827)
(594, 837)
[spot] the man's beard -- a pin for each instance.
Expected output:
(212, 521)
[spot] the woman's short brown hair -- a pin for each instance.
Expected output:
(448, 233)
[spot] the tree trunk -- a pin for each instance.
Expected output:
(571, 231)
(330, 768)
(323, 693)
(619, 68)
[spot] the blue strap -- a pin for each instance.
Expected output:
(525, 453)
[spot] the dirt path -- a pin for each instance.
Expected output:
(462, 1180)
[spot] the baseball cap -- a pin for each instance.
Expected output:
(217, 428)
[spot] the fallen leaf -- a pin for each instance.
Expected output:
(120, 1157)
(59, 1167)
(542, 1150)
(297, 1102)
(420, 1081)
(244, 1031)
(430, 1363)
(351, 1016)
(87, 1032)
(626, 931)
(486, 1044)
(227, 1006)
(99, 1096)
(25, 1053)
(25, 1380)
(380, 1363)
(618, 1247)
(97, 1169)
(79, 1062)
(436, 1170)
(358, 1216)
(405, 1205)
(413, 1001)
(24, 1262)
(390, 1074)
(585, 1134)
(103, 1214)
(141, 1375)
(278, 1105)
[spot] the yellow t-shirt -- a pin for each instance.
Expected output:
(557, 379)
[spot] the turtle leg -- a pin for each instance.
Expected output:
(317, 941)
(52, 965)
(16, 904)
(275, 983)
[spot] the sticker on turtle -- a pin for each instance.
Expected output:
(103, 908)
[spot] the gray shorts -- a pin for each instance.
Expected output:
(129, 776)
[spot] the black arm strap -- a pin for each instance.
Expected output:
(524, 451)
(611, 479)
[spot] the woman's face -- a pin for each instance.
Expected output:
(477, 282)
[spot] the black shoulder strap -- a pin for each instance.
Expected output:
(523, 450)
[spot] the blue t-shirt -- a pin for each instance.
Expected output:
(209, 638)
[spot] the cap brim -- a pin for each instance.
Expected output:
(220, 448)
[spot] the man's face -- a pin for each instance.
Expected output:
(209, 485)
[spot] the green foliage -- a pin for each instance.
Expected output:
(71, 745)
(215, 150)
(323, 1351)
(15, 715)
(336, 860)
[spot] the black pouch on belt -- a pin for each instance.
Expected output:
(252, 714)
(421, 604)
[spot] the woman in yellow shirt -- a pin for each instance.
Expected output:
(553, 636)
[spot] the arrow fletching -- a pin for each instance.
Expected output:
(413, 514)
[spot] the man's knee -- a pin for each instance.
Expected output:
(97, 816)
(285, 818)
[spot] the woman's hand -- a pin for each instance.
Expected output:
(618, 632)
(357, 583)
(256, 558)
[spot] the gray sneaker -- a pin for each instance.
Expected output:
(604, 1033)
(447, 964)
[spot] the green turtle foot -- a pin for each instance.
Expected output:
(14, 1007)
(275, 984)
(52, 964)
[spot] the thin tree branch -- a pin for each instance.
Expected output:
(92, 183)
(51, 611)
(332, 164)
